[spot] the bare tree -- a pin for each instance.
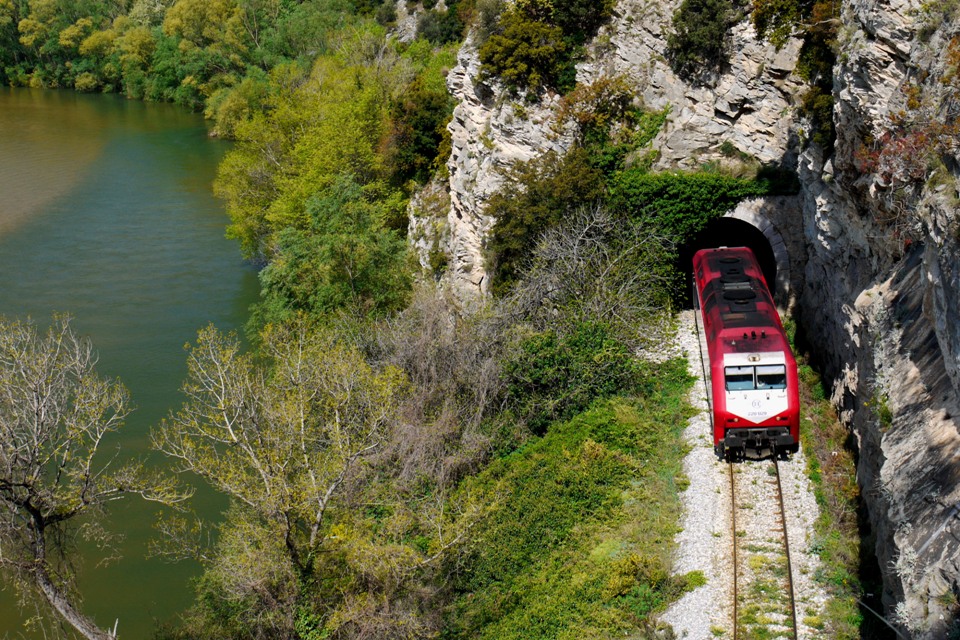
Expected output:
(596, 267)
(452, 361)
(280, 439)
(55, 413)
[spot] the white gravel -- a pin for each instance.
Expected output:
(704, 543)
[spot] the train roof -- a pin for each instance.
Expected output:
(736, 300)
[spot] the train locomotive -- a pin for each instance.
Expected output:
(749, 370)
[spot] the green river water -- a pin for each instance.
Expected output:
(107, 213)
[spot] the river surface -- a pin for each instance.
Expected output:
(107, 214)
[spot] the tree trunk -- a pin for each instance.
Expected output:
(65, 608)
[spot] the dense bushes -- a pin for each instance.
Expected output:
(538, 194)
(418, 118)
(527, 55)
(569, 548)
(554, 377)
(697, 43)
(535, 43)
(680, 204)
(343, 256)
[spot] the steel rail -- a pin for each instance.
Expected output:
(733, 523)
(786, 548)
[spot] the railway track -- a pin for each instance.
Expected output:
(763, 588)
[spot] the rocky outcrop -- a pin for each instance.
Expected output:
(749, 104)
(489, 132)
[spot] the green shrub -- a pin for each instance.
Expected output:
(527, 55)
(577, 535)
(346, 257)
(419, 117)
(535, 43)
(817, 104)
(580, 19)
(386, 14)
(554, 377)
(440, 27)
(681, 204)
(697, 43)
(86, 82)
(535, 196)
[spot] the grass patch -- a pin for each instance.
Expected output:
(580, 523)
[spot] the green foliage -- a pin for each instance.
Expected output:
(569, 547)
(832, 470)
(250, 588)
(609, 123)
(818, 105)
(440, 27)
(419, 117)
(536, 43)
(536, 195)
(184, 51)
(345, 256)
(697, 43)
(555, 377)
(681, 204)
(778, 19)
(580, 19)
(287, 153)
(527, 55)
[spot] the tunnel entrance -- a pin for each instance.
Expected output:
(727, 232)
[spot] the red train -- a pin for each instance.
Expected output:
(749, 370)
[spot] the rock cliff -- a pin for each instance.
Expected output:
(883, 316)
(876, 241)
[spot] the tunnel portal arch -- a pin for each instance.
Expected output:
(744, 227)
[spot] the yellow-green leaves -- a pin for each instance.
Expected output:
(281, 437)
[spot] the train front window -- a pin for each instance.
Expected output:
(739, 378)
(773, 376)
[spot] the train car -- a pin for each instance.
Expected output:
(749, 370)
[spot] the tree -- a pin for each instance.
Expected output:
(597, 269)
(55, 413)
(284, 438)
(527, 55)
(346, 257)
(697, 45)
(535, 196)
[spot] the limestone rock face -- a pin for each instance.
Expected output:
(749, 104)
(884, 312)
(489, 132)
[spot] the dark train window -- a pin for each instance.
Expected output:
(772, 377)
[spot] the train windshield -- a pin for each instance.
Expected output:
(739, 378)
(770, 376)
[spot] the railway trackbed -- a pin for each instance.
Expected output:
(705, 542)
(764, 606)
